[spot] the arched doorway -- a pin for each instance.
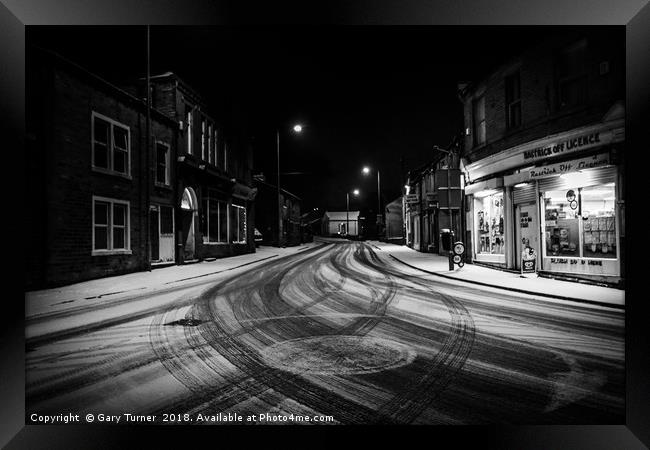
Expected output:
(189, 211)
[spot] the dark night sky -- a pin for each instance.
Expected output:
(367, 95)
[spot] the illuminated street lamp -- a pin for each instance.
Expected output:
(297, 129)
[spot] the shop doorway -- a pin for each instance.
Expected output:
(189, 213)
(527, 226)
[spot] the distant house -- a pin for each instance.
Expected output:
(395, 221)
(341, 223)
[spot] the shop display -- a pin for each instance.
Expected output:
(562, 226)
(489, 225)
(586, 229)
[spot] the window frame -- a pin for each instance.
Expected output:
(167, 181)
(513, 99)
(564, 79)
(110, 170)
(220, 203)
(236, 226)
(203, 138)
(110, 226)
(189, 118)
(476, 124)
(210, 143)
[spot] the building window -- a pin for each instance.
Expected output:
(513, 100)
(162, 163)
(478, 116)
(203, 139)
(490, 235)
(111, 145)
(110, 226)
(581, 222)
(225, 156)
(238, 224)
(190, 124)
(215, 147)
(210, 141)
(214, 220)
(572, 75)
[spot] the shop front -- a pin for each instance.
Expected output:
(561, 195)
(580, 223)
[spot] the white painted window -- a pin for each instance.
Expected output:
(190, 124)
(203, 139)
(238, 224)
(111, 145)
(210, 140)
(111, 222)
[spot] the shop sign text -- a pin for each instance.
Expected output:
(571, 261)
(586, 140)
(569, 166)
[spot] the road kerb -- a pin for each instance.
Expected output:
(522, 291)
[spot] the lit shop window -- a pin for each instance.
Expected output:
(110, 145)
(581, 222)
(489, 223)
(562, 222)
(238, 224)
(110, 225)
(599, 221)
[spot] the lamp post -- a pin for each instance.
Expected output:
(451, 215)
(366, 171)
(347, 211)
(297, 129)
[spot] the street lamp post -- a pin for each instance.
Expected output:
(347, 211)
(296, 128)
(366, 171)
(449, 210)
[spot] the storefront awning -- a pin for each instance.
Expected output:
(493, 183)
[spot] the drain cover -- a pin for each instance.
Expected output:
(186, 322)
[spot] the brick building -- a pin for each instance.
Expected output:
(95, 209)
(214, 179)
(543, 157)
(426, 211)
(104, 205)
(266, 212)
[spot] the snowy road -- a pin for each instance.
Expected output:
(342, 330)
